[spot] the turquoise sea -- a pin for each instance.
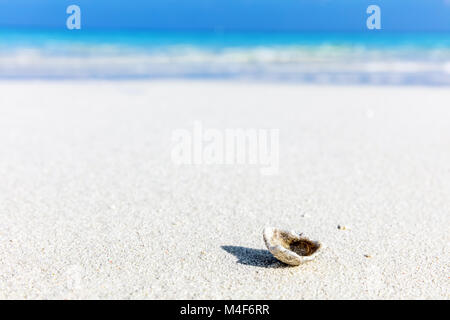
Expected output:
(373, 57)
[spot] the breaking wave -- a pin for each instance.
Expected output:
(318, 62)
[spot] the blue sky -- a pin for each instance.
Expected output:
(235, 15)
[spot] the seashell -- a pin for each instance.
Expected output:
(291, 247)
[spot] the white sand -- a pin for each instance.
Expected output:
(91, 205)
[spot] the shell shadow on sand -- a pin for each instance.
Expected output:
(254, 257)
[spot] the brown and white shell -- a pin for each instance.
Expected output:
(291, 247)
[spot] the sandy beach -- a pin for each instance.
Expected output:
(92, 205)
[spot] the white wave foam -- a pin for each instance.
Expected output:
(324, 62)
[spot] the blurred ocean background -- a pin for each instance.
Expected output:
(313, 41)
(318, 57)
